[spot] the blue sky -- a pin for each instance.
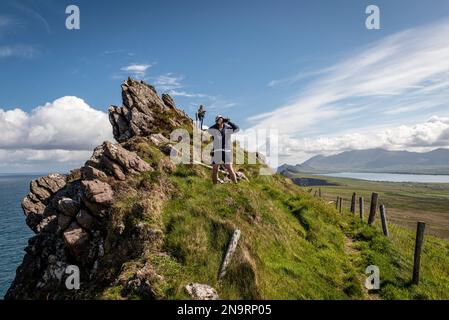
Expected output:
(289, 65)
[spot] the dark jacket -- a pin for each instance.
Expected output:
(222, 138)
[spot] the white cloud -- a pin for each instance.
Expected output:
(407, 71)
(172, 84)
(219, 104)
(168, 81)
(185, 94)
(66, 130)
(297, 77)
(399, 79)
(425, 136)
(136, 70)
(20, 51)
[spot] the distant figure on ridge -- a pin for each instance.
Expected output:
(221, 153)
(201, 113)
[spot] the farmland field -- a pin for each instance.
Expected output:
(406, 202)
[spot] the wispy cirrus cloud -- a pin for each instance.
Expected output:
(169, 81)
(185, 94)
(402, 72)
(297, 77)
(137, 70)
(397, 80)
(8, 23)
(173, 84)
(18, 51)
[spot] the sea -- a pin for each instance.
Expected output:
(391, 177)
(14, 233)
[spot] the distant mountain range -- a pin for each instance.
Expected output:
(375, 160)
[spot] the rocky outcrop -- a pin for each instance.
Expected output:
(106, 217)
(144, 112)
(37, 205)
(72, 214)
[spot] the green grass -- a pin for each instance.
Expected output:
(406, 202)
(293, 245)
(394, 257)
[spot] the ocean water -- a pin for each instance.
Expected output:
(391, 177)
(14, 233)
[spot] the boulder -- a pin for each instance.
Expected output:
(158, 139)
(168, 101)
(129, 161)
(113, 160)
(90, 173)
(53, 182)
(42, 191)
(68, 207)
(98, 192)
(86, 220)
(201, 291)
(77, 239)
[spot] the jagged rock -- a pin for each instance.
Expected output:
(74, 215)
(77, 239)
(90, 173)
(114, 160)
(98, 192)
(158, 139)
(53, 182)
(68, 207)
(33, 210)
(85, 220)
(168, 101)
(129, 161)
(113, 168)
(49, 224)
(41, 191)
(201, 291)
(144, 112)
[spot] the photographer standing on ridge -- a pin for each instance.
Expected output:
(200, 114)
(221, 153)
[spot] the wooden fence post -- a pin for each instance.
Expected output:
(418, 247)
(362, 208)
(341, 201)
(372, 212)
(383, 217)
(353, 202)
(229, 253)
(336, 203)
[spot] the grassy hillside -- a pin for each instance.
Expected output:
(293, 246)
